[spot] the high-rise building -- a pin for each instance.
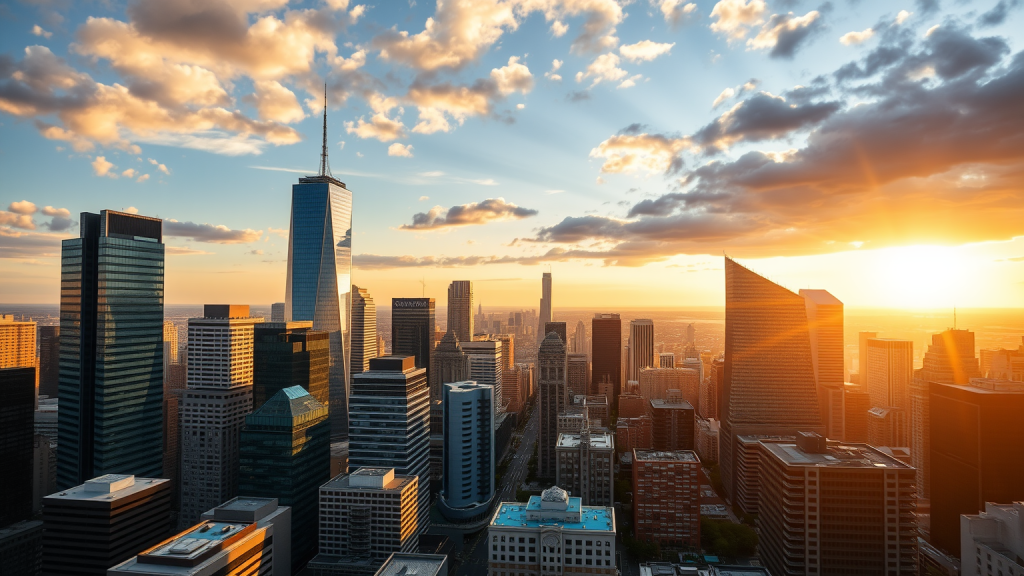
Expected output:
(364, 330)
(890, 371)
(170, 345)
(580, 344)
(578, 374)
(768, 389)
(634, 433)
(21, 548)
(448, 364)
(354, 536)
(856, 403)
(49, 360)
(641, 348)
(862, 356)
(976, 439)
(412, 332)
(707, 440)
(285, 453)
(17, 343)
(656, 383)
(553, 533)
(277, 312)
(825, 326)
(992, 541)
(287, 354)
(469, 450)
(242, 537)
(666, 360)
(319, 278)
(44, 470)
(606, 355)
(551, 387)
(400, 564)
(835, 508)
(557, 328)
(103, 522)
(111, 349)
(691, 334)
(586, 462)
(545, 302)
(666, 497)
(949, 359)
(887, 427)
(214, 406)
(460, 309)
(707, 401)
(391, 423)
(672, 424)
(484, 366)
(17, 397)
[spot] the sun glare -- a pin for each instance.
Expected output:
(922, 276)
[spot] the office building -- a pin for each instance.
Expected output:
(767, 389)
(242, 537)
(666, 360)
(103, 522)
(707, 396)
(717, 376)
(830, 507)
(578, 374)
(586, 465)
(553, 533)
(634, 433)
(111, 349)
(21, 548)
(45, 418)
(887, 427)
(573, 419)
(975, 434)
(412, 332)
(598, 411)
(49, 361)
(364, 330)
(856, 403)
(632, 405)
(551, 387)
(366, 516)
(666, 498)
(557, 328)
(862, 356)
(469, 450)
(992, 541)
(641, 348)
(580, 342)
(401, 564)
(17, 397)
(285, 454)
(606, 355)
(484, 366)
(890, 370)
(170, 346)
(545, 303)
(391, 423)
(290, 354)
(460, 309)
(672, 424)
(277, 312)
(1003, 364)
(825, 327)
(44, 470)
(17, 343)
(656, 383)
(214, 405)
(448, 364)
(707, 440)
(949, 359)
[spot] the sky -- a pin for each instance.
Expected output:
(869, 148)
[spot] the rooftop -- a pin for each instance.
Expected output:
(820, 297)
(243, 509)
(399, 564)
(289, 407)
(836, 454)
(365, 480)
(666, 456)
(597, 440)
(515, 514)
(108, 488)
(680, 405)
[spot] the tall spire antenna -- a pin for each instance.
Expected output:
(325, 168)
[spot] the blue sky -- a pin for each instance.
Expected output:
(676, 131)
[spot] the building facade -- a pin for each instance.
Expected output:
(673, 424)
(578, 373)
(448, 365)
(412, 332)
(606, 355)
(460, 309)
(545, 302)
(666, 498)
(111, 349)
(890, 372)
(656, 383)
(18, 393)
(49, 361)
(551, 387)
(992, 541)
(484, 366)
(469, 450)
(586, 465)
(825, 327)
(641, 347)
(364, 330)
(287, 354)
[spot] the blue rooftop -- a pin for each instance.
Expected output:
(514, 514)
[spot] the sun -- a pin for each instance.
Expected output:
(923, 276)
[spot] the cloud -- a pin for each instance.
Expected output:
(902, 16)
(255, 252)
(22, 207)
(379, 127)
(725, 95)
(282, 232)
(927, 6)
(551, 75)
(644, 51)
(209, 233)
(632, 152)
(103, 168)
(38, 31)
(424, 198)
(784, 33)
(763, 116)
(854, 38)
(474, 213)
(676, 12)
(18, 245)
(734, 17)
(997, 15)
(142, 178)
(183, 251)
(276, 103)
(402, 150)
(23, 221)
(129, 173)
(604, 67)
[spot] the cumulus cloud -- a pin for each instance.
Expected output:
(379, 127)
(474, 213)
(60, 218)
(634, 150)
(556, 64)
(21, 245)
(761, 117)
(997, 15)
(854, 38)
(129, 173)
(183, 251)
(38, 31)
(23, 207)
(902, 16)
(219, 234)
(676, 12)
(734, 18)
(644, 50)
(604, 68)
(784, 33)
(102, 167)
(402, 150)
(276, 103)
(23, 221)
(725, 95)
(142, 178)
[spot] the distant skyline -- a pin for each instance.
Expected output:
(868, 149)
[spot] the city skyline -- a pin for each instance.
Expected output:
(443, 204)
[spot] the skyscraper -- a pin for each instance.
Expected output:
(666, 501)
(586, 464)
(890, 371)
(862, 356)
(319, 276)
(49, 360)
(277, 312)
(691, 334)
(578, 374)
(484, 366)
(412, 331)
(825, 325)
(449, 364)
(641, 347)
(111, 349)
(460, 309)
(579, 339)
(17, 397)
(214, 406)
(390, 415)
(769, 371)
(17, 342)
(551, 386)
(287, 354)
(364, 329)
(606, 357)
(545, 301)
(469, 450)
(285, 453)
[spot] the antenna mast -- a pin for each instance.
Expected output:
(325, 168)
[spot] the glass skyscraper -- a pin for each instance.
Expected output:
(287, 354)
(319, 278)
(111, 349)
(412, 330)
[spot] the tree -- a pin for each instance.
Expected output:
(723, 538)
